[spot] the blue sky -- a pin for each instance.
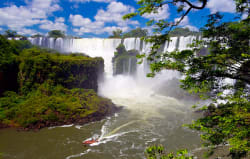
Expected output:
(93, 18)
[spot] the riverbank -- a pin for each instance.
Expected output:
(102, 113)
(97, 116)
(53, 106)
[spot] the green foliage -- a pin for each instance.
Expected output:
(9, 51)
(138, 32)
(121, 49)
(227, 123)
(228, 58)
(71, 71)
(116, 34)
(49, 103)
(56, 34)
(129, 16)
(37, 36)
(157, 152)
(20, 45)
(183, 32)
(10, 33)
(42, 77)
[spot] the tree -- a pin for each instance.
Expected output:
(228, 58)
(138, 32)
(155, 152)
(116, 34)
(56, 34)
(183, 32)
(10, 33)
(37, 36)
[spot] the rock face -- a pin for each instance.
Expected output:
(8, 81)
(124, 62)
(70, 71)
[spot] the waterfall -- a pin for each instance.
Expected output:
(185, 41)
(132, 43)
(170, 45)
(105, 48)
(129, 66)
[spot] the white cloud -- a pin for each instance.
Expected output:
(185, 24)
(244, 16)
(108, 29)
(25, 31)
(114, 13)
(57, 25)
(184, 21)
(191, 28)
(34, 13)
(112, 16)
(78, 20)
(221, 6)
(60, 19)
(162, 13)
(83, 1)
(1, 29)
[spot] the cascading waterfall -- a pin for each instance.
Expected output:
(106, 47)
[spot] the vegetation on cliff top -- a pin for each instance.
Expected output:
(56, 34)
(71, 71)
(183, 32)
(124, 61)
(137, 33)
(50, 105)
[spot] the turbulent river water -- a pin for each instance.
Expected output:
(149, 116)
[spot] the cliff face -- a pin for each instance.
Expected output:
(70, 71)
(8, 81)
(9, 50)
(124, 62)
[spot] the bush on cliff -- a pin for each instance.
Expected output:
(9, 51)
(71, 71)
(124, 61)
(51, 105)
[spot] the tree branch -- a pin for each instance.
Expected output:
(191, 6)
(196, 7)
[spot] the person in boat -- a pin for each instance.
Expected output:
(91, 141)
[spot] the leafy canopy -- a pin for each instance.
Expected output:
(56, 34)
(138, 32)
(221, 75)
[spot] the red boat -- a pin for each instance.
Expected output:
(88, 142)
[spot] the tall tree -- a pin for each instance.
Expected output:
(228, 59)
(10, 33)
(138, 32)
(116, 34)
